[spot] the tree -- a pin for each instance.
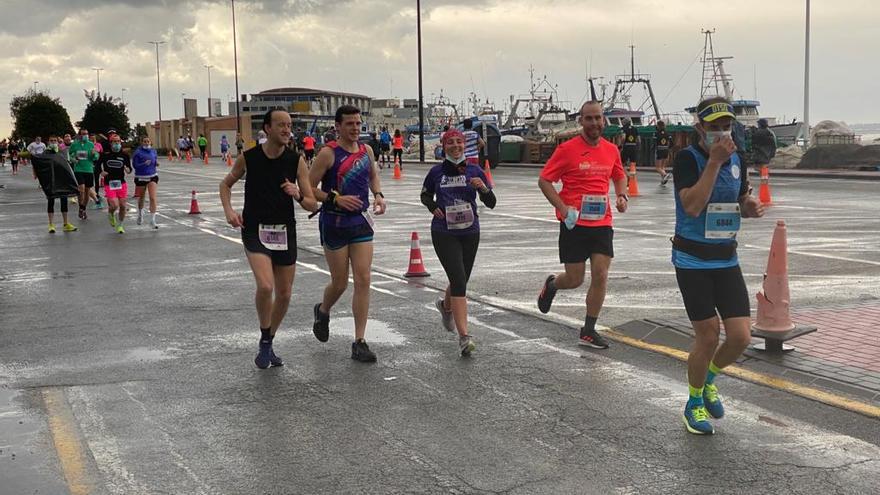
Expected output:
(104, 113)
(37, 114)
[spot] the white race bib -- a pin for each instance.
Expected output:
(722, 220)
(593, 207)
(274, 237)
(115, 185)
(82, 155)
(459, 216)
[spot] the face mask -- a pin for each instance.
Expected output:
(713, 137)
(456, 161)
(84, 138)
(116, 147)
(146, 146)
(53, 147)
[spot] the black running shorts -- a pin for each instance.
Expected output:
(144, 182)
(578, 244)
(629, 154)
(251, 240)
(86, 178)
(705, 291)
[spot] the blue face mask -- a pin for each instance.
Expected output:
(116, 147)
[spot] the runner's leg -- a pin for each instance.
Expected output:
(283, 278)
(599, 266)
(572, 277)
(337, 262)
(361, 255)
(261, 266)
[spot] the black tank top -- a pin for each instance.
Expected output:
(264, 200)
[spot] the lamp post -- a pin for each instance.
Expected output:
(421, 96)
(209, 89)
(158, 93)
(235, 55)
(98, 74)
(123, 95)
(807, 81)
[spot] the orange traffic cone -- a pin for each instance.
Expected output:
(416, 265)
(170, 156)
(774, 299)
(189, 157)
(764, 191)
(633, 189)
(228, 159)
(194, 204)
(206, 158)
(488, 172)
(397, 174)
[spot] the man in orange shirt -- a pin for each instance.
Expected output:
(309, 147)
(585, 164)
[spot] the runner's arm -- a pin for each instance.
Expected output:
(695, 198)
(376, 184)
(552, 195)
(231, 178)
(307, 201)
(322, 162)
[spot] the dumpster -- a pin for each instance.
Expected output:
(511, 152)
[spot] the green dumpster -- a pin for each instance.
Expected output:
(511, 152)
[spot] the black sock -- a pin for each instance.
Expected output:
(589, 325)
(265, 336)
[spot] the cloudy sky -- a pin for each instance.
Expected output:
(484, 46)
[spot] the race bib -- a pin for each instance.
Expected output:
(722, 220)
(115, 185)
(274, 237)
(593, 207)
(459, 216)
(82, 155)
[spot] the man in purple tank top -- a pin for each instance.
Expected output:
(346, 172)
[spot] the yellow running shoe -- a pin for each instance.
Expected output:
(69, 227)
(51, 228)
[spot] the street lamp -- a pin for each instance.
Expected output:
(209, 89)
(421, 97)
(235, 55)
(158, 92)
(98, 74)
(807, 81)
(123, 95)
(183, 100)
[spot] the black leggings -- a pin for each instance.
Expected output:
(457, 254)
(51, 208)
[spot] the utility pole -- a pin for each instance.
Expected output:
(421, 96)
(158, 93)
(806, 129)
(209, 89)
(235, 55)
(98, 73)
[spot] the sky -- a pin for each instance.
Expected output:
(481, 46)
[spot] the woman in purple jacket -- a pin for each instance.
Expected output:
(450, 192)
(146, 176)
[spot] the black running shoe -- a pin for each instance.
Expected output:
(262, 360)
(545, 298)
(360, 351)
(275, 360)
(593, 339)
(321, 327)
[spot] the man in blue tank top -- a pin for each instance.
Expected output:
(346, 171)
(711, 196)
(276, 177)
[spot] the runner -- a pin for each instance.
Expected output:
(239, 143)
(309, 148)
(38, 147)
(112, 166)
(629, 152)
(585, 164)
(268, 224)
(14, 149)
(3, 147)
(398, 148)
(711, 195)
(82, 153)
(96, 191)
(181, 147)
(203, 146)
(385, 139)
(146, 176)
(661, 138)
(473, 143)
(346, 171)
(224, 147)
(52, 149)
(455, 229)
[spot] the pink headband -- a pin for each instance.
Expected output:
(451, 133)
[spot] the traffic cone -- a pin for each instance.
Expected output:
(228, 159)
(774, 300)
(397, 174)
(416, 265)
(194, 204)
(633, 188)
(764, 191)
(170, 157)
(189, 157)
(488, 172)
(206, 158)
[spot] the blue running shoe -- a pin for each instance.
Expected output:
(696, 419)
(275, 360)
(264, 357)
(712, 400)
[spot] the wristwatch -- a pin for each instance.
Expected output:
(379, 194)
(624, 196)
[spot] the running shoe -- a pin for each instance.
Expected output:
(448, 321)
(153, 223)
(264, 356)
(466, 345)
(51, 228)
(73, 200)
(275, 360)
(119, 229)
(712, 400)
(98, 205)
(321, 327)
(360, 351)
(545, 298)
(82, 213)
(140, 218)
(112, 217)
(696, 420)
(592, 339)
(69, 227)
(665, 178)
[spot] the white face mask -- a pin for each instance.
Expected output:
(456, 161)
(713, 137)
(146, 146)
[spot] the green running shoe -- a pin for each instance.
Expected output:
(696, 420)
(712, 400)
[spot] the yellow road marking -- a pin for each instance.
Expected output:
(760, 378)
(70, 450)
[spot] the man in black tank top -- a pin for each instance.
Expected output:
(276, 176)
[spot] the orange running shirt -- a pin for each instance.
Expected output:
(584, 170)
(398, 143)
(308, 143)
